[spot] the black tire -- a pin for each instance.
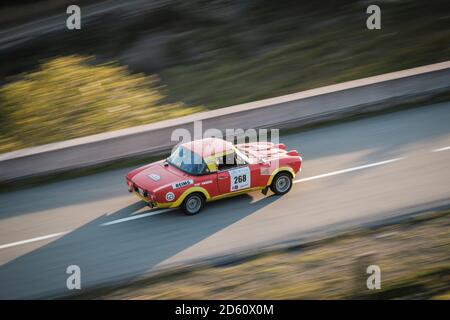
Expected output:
(193, 204)
(281, 183)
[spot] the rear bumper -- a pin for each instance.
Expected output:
(149, 203)
(133, 188)
(149, 199)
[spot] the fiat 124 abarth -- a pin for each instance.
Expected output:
(210, 169)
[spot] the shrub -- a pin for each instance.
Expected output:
(70, 97)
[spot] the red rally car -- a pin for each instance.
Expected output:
(210, 169)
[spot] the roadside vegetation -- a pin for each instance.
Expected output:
(173, 58)
(276, 48)
(69, 97)
(413, 256)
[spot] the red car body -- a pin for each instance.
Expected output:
(222, 170)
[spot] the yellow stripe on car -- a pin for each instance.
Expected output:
(181, 198)
(278, 170)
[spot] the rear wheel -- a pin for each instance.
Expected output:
(281, 183)
(193, 204)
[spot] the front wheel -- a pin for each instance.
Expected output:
(281, 183)
(193, 204)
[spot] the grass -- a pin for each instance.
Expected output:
(413, 255)
(208, 59)
(70, 97)
(303, 46)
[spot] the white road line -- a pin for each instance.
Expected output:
(441, 149)
(370, 165)
(12, 244)
(149, 214)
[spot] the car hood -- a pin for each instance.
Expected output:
(157, 175)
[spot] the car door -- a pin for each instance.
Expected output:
(234, 179)
(209, 183)
(223, 182)
(233, 174)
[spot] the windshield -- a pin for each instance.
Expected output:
(187, 161)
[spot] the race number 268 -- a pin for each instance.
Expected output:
(240, 178)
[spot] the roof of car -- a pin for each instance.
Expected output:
(208, 147)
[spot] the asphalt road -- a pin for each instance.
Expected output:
(354, 172)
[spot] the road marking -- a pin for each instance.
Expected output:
(149, 214)
(370, 165)
(441, 149)
(12, 244)
(144, 215)
(53, 235)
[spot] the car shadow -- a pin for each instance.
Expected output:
(120, 251)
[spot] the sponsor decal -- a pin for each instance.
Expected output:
(240, 178)
(182, 184)
(206, 182)
(154, 176)
(170, 196)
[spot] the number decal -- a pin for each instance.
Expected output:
(170, 196)
(182, 184)
(240, 178)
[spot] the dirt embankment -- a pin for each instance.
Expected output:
(413, 256)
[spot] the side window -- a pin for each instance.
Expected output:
(229, 161)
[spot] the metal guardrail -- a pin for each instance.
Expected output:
(294, 110)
